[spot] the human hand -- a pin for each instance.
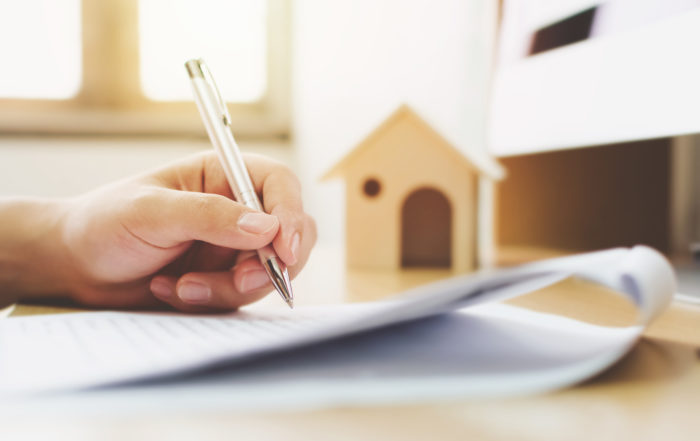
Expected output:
(176, 237)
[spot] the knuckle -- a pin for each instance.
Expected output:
(143, 197)
(139, 206)
(283, 171)
(294, 181)
(310, 229)
(290, 217)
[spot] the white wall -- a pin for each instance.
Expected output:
(55, 167)
(355, 61)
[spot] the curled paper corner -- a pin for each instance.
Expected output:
(648, 278)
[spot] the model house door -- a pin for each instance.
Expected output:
(426, 229)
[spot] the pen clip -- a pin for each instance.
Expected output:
(209, 79)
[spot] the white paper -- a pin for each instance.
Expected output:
(487, 350)
(502, 349)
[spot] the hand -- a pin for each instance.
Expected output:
(176, 237)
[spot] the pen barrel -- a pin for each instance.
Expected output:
(225, 145)
(217, 122)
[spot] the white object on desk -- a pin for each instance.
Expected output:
(685, 298)
(438, 359)
(503, 349)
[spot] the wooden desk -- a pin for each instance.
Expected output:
(653, 393)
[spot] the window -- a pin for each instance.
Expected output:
(47, 63)
(229, 35)
(117, 66)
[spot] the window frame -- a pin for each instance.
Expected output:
(111, 101)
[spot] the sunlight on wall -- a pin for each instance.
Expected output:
(41, 49)
(230, 36)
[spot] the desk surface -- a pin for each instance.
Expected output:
(653, 393)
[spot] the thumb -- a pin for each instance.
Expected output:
(166, 218)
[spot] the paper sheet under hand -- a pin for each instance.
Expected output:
(497, 349)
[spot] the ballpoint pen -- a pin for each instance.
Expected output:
(218, 124)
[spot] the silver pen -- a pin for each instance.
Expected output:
(218, 123)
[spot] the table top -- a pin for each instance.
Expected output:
(652, 393)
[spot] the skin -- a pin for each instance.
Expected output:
(171, 238)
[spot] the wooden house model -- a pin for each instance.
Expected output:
(411, 198)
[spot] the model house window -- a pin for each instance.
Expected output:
(117, 66)
(371, 187)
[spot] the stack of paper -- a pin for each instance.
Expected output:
(444, 339)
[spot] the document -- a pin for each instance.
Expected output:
(453, 328)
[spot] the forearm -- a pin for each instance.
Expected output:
(33, 259)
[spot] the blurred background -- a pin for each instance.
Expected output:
(97, 89)
(589, 105)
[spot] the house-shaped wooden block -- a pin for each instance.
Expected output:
(411, 198)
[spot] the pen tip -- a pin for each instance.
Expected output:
(280, 279)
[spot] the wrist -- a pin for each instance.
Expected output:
(33, 258)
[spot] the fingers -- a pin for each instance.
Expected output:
(166, 218)
(308, 239)
(287, 242)
(278, 186)
(222, 290)
(281, 195)
(227, 290)
(191, 201)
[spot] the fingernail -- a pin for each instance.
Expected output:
(192, 292)
(253, 280)
(161, 288)
(257, 223)
(294, 247)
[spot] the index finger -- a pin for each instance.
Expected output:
(281, 197)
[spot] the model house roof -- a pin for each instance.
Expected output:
(474, 159)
